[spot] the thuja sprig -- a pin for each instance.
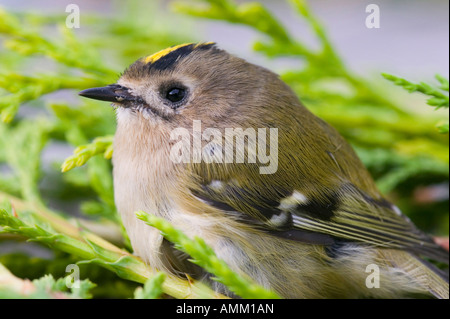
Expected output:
(48, 283)
(100, 145)
(253, 14)
(47, 287)
(26, 88)
(204, 256)
(54, 231)
(67, 51)
(26, 40)
(436, 97)
(22, 145)
(153, 287)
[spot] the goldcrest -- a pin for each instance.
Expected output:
(291, 205)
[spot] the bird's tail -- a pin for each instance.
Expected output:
(421, 273)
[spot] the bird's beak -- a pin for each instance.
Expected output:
(112, 93)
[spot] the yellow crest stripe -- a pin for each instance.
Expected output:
(158, 55)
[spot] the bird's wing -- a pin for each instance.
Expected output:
(346, 214)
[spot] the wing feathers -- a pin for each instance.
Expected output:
(348, 215)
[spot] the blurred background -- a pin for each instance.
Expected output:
(412, 39)
(325, 53)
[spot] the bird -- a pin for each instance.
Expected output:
(291, 206)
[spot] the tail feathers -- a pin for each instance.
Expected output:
(422, 274)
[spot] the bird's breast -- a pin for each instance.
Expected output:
(144, 179)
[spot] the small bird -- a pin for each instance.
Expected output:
(285, 200)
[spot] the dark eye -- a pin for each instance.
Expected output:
(175, 94)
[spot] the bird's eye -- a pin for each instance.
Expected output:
(175, 94)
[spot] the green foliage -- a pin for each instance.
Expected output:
(436, 97)
(46, 287)
(152, 288)
(69, 52)
(57, 233)
(22, 265)
(203, 255)
(48, 283)
(40, 56)
(22, 145)
(101, 145)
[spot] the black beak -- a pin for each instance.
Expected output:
(111, 93)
